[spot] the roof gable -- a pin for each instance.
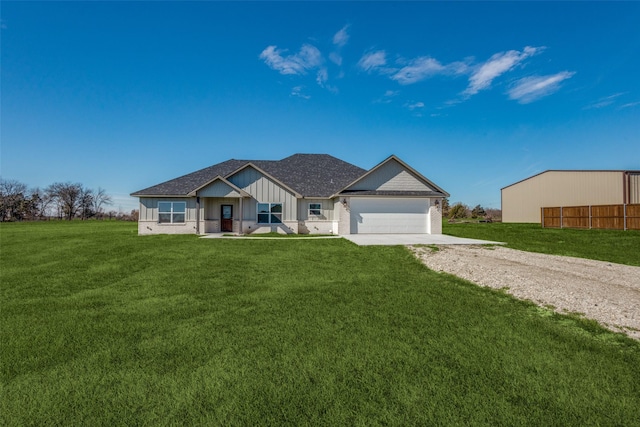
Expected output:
(219, 187)
(253, 173)
(394, 177)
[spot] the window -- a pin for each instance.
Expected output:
(315, 209)
(171, 212)
(269, 213)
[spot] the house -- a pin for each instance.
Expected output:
(522, 201)
(303, 193)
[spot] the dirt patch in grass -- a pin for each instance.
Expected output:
(604, 291)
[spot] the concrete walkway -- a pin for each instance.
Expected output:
(258, 237)
(377, 239)
(413, 239)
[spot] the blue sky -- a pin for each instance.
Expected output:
(475, 96)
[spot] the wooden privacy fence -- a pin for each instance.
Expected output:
(612, 217)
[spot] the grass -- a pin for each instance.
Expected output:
(102, 327)
(617, 246)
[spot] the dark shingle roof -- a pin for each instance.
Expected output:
(311, 175)
(183, 185)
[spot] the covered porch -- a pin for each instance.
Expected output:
(220, 207)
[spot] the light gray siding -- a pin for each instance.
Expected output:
(264, 190)
(391, 176)
(149, 207)
(148, 220)
(326, 211)
(218, 189)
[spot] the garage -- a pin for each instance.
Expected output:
(389, 215)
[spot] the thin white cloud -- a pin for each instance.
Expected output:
(335, 58)
(414, 105)
(387, 97)
(297, 92)
(307, 58)
(530, 89)
(630, 104)
(341, 37)
(605, 101)
(373, 60)
(424, 67)
(497, 65)
(418, 69)
(322, 76)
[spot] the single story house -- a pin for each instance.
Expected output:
(303, 193)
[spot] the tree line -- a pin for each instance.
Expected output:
(62, 200)
(461, 211)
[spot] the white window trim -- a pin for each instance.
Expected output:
(172, 213)
(270, 213)
(319, 209)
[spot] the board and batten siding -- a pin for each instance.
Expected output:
(149, 207)
(326, 210)
(148, 216)
(521, 202)
(218, 189)
(264, 190)
(391, 176)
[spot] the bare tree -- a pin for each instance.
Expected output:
(41, 201)
(86, 203)
(101, 199)
(12, 197)
(67, 197)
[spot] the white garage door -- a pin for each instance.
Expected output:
(388, 215)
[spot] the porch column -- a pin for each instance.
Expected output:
(197, 215)
(241, 215)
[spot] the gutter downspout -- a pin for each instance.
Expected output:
(197, 215)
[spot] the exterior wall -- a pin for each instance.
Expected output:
(322, 224)
(435, 217)
(343, 215)
(521, 202)
(264, 190)
(634, 188)
(218, 189)
(326, 210)
(391, 176)
(148, 220)
(211, 212)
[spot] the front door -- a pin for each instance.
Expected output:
(226, 224)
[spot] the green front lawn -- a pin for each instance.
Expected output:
(102, 327)
(618, 246)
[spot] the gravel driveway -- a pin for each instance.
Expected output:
(604, 291)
